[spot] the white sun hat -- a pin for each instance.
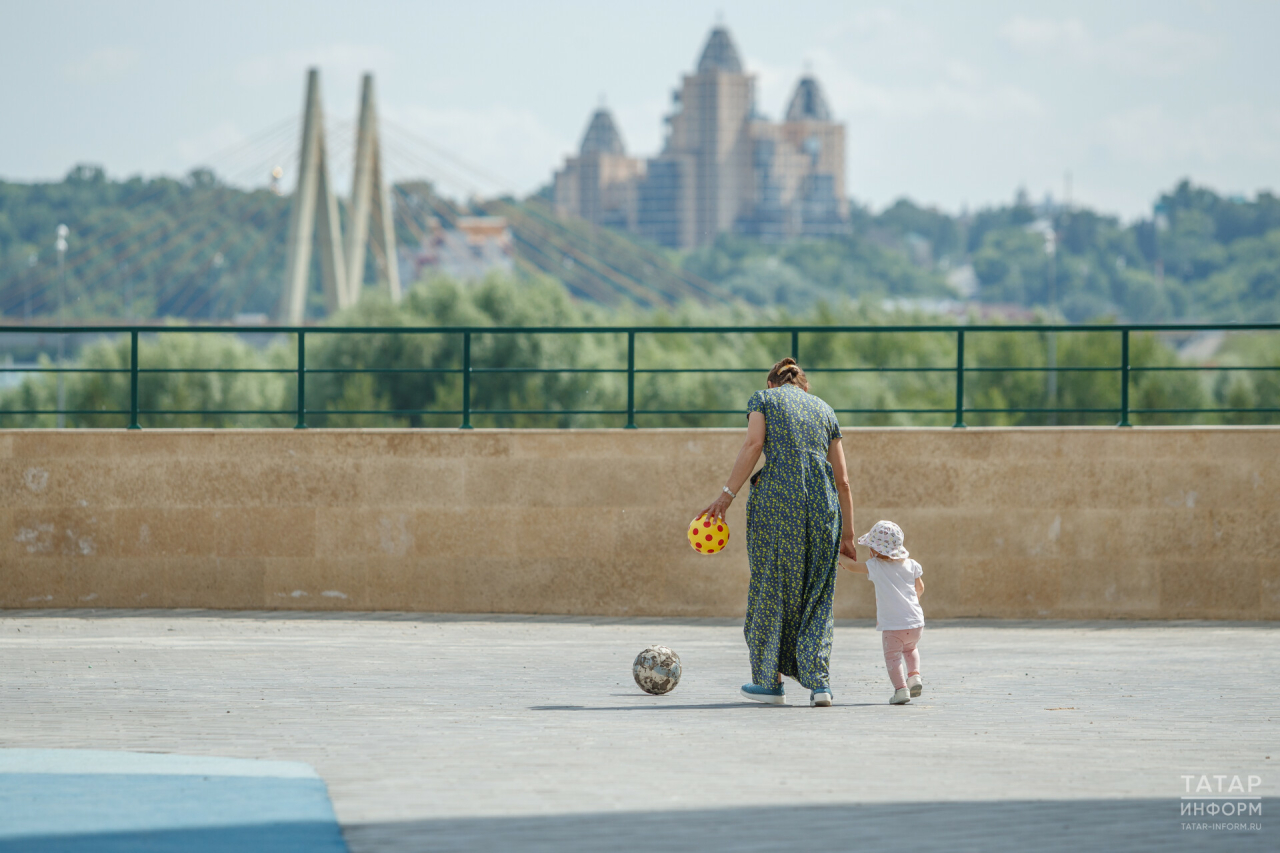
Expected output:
(885, 538)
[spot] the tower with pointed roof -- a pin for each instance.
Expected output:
(703, 175)
(799, 170)
(602, 135)
(723, 166)
(807, 102)
(599, 185)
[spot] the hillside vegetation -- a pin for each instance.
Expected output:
(200, 250)
(1201, 257)
(192, 248)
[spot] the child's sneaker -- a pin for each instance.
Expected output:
(901, 696)
(768, 695)
(820, 698)
(915, 684)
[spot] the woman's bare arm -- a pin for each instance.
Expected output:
(835, 455)
(747, 458)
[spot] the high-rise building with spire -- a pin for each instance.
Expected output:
(599, 185)
(723, 167)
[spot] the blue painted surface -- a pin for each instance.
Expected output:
(73, 800)
(153, 763)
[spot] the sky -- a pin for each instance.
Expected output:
(954, 105)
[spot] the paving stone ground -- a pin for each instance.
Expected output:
(527, 733)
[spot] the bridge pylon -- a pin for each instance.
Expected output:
(369, 219)
(313, 216)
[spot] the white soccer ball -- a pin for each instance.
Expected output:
(657, 670)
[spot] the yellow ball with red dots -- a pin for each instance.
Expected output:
(708, 535)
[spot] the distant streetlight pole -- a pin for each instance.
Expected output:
(32, 260)
(61, 246)
(1059, 224)
(1051, 357)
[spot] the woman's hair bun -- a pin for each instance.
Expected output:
(787, 372)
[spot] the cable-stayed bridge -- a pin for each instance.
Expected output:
(228, 240)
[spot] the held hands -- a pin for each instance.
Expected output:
(849, 552)
(856, 568)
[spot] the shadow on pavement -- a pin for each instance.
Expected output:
(716, 706)
(1055, 826)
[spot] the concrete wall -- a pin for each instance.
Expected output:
(1155, 523)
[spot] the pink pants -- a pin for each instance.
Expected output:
(899, 645)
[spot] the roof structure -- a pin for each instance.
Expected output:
(602, 135)
(808, 104)
(720, 54)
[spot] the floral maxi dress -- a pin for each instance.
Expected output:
(793, 540)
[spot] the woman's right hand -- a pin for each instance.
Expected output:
(849, 547)
(718, 508)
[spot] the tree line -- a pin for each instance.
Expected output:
(199, 250)
(695, 379)
(1200, 257)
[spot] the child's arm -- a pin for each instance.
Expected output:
(858, 568)
(919, 587)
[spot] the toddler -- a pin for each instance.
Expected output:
(898, 614)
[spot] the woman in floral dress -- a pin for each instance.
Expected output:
(799, 518)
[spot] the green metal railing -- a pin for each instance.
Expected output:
(469, 372)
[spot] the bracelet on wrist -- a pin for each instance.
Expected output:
(725, 489)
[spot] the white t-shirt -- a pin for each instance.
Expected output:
(897, 606)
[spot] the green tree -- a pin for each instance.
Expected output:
(102, 399)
